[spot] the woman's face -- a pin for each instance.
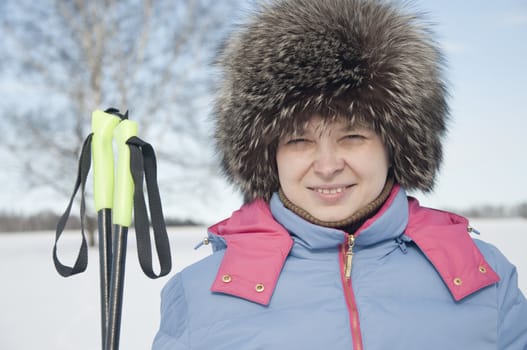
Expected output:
(331, 170)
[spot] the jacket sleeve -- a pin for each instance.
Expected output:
(512, 307)
(512, 327)
(173, 330)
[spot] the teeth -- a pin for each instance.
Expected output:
(329, 190)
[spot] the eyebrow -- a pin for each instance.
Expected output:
(347, 127)
(353, 127)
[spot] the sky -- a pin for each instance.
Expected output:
(485, 47)
(486, 50)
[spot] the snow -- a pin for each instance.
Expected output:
(40, 309)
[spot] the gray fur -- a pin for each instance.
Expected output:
(362, 59)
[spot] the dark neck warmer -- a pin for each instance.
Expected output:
(350, 224)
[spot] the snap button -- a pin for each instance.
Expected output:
(471, 229)
(482, 269)
(206, 240)
(259, 287)
(226, 278)
(458, 281)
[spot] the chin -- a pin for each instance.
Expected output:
(332, 217)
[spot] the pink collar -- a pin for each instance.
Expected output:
(257, 247)
(443, 237)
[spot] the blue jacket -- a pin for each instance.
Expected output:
(276, 281)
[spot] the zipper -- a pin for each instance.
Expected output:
(217, 242)
(349, 257)
(204, 241)
(346, 255)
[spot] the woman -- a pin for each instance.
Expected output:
(328, 112)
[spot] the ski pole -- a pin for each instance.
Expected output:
(122, 218)
(103, 124)
(113, 201)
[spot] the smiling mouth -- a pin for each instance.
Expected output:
(332, 190)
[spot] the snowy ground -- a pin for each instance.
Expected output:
(41, 310)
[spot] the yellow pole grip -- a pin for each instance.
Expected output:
(103, 125)
(124, 185)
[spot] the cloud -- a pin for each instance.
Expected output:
(12, 86)
(514, 19)
(453, 47)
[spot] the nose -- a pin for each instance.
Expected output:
(328, 161)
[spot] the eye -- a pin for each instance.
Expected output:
(355, 136)
(297, 140)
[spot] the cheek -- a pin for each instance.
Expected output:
(283, 165)
(373, 164)
(291, 166)
(381, 163)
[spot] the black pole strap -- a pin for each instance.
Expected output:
(143, 160)
(82, 258)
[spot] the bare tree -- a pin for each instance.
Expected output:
(67, 58)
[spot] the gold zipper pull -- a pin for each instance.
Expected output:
(349, 257)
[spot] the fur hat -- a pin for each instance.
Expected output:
(360, 59)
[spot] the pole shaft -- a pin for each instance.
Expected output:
(105, 255)
(116, 287)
